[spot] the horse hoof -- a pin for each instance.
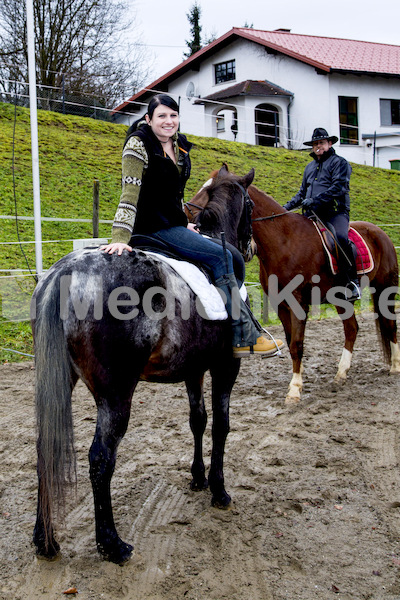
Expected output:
(50, 552)
(48, 557)
(223, 502)
(199, 486)
(291, 400)
(118, 554)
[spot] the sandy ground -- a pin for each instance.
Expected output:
(315, 488)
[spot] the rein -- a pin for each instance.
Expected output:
(273, 216)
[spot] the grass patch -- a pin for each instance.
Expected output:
(75, 151)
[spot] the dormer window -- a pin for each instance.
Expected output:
(225, 71)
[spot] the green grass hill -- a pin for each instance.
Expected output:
(75, 151)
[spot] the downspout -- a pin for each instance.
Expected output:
(373, 164)
(289, 131)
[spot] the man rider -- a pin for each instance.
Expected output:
(325, 192)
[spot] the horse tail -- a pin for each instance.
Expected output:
(387, 284)
(54, 384)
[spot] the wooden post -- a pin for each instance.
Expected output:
(265, 311)
(96, 195)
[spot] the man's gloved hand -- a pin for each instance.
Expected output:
(307, 203)
(291, 204)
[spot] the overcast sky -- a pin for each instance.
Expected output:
(164, 25)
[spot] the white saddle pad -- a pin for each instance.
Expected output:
(207, 293)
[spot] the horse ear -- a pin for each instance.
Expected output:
(224, 169)
(248, 179)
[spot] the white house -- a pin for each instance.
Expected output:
(274, 87)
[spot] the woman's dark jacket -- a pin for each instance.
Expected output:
(161, 195)
(327, 182)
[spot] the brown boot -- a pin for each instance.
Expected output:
(262, 347)
(247, 333)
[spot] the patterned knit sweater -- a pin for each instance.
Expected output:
(135, 162)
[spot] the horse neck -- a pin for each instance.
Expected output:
(264, 205)
(268, 233)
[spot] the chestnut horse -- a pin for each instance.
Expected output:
(295, 273)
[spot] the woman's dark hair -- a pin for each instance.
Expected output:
(163, 99)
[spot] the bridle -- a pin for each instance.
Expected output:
(189, 204)
(245, 241)
(246, 199)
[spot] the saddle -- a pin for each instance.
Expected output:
(364, 260)
(196, 276)
(147, 243)
(151, 244)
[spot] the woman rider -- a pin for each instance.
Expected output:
(155, 168)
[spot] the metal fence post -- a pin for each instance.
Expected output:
(96, 195)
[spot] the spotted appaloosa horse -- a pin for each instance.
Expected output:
(291, 255)
(112, 321)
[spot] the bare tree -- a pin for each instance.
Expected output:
(81, 49)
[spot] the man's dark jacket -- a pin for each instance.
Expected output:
(327, 182)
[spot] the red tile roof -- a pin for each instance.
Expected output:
(326, 54)
(330, 53)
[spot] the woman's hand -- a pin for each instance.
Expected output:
(193, 227)
(118, 247)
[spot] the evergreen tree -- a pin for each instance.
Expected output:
(195, 29)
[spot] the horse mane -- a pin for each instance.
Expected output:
(214, 212)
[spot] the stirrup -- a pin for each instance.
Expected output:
(352, 291)
(278, 343)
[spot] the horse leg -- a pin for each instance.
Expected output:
(112, 422)
(223, 379)
(350, 327)
(386, 326)
(198, 421)
(395, 358)
(294, 331)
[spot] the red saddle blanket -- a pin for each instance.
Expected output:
(364, 262)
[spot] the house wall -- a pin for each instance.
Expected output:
(369, 91)
(314, 103)
(253, 62)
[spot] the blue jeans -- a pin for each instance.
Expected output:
(193, 246)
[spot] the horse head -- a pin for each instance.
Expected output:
(224, 205)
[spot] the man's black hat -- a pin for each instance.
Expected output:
(321, 134)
